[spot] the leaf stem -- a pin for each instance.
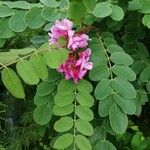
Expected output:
(21, 58)
(108, 59)
(75, 104)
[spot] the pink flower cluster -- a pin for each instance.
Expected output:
(77, 64)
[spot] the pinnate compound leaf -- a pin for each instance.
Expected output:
(43, 113)
(82, 142)
(63, 124)
(118, 119)
(27, 72)
(84, 127)
(39, 65)
(63, 141)
(102, 10)
(12, 83)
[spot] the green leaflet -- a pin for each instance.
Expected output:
(104, 145)
(63, 124)
(17, 23)
(63, 111)
(84, 85)
(54, 57)
(63, 141)
(18, 4)
(103, 89)
(90, 4)
(146, 20)
(5, 31)
(53, 75)
(23, 51)
(102, 10)
(124, 72)
(75, 15)
(82, 142)
(114, 48)
(117, 13)
(51, 3)
(45, 88)
(99, 72)
(33, 18)
(84, 113)
(126, 105)
(43, 113)
(39, 100)
(7, 57)
(12, 83)
(118, 120)
(50, 14)
(85, 99)
(39, 66)
(124, 88)
(145, 75)
(6, 11)
(95, 58)
(84, 127)
(62, 101)
(27, 72)
(121, 58)
(105, 105)
(65, 87)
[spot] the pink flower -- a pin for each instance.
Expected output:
(60, 29)
(77, 41)
(83, 60)
(76, 68)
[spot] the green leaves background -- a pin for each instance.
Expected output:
(92, 113)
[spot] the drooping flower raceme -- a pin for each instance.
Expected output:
(78, 62)
(76, 68)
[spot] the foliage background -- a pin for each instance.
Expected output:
(127, 29)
